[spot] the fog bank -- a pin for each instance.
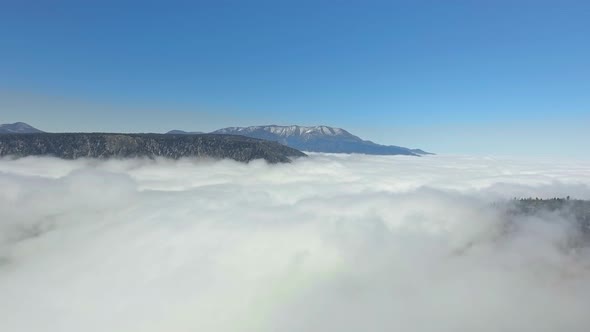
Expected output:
(326, 243)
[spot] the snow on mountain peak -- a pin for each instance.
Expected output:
(285, 131)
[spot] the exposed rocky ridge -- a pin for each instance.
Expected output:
(100, 145)
(306, 138)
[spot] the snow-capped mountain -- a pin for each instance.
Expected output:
(318, 139)
(18, 128)
(288, 131)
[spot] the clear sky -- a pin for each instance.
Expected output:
(473, 77)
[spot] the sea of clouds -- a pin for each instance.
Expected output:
(326, 243)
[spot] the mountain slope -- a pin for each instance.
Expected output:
(182, 132)
(97, 145)
(318, 139)
(18, 128)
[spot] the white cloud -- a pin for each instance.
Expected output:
(328, 243)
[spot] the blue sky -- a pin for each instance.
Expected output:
(474, 77)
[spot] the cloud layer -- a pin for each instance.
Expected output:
(327, 243)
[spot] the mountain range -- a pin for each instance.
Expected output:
(305, 138)
(316, 139)
(99, 145)
(18, 128)
(182, 132)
